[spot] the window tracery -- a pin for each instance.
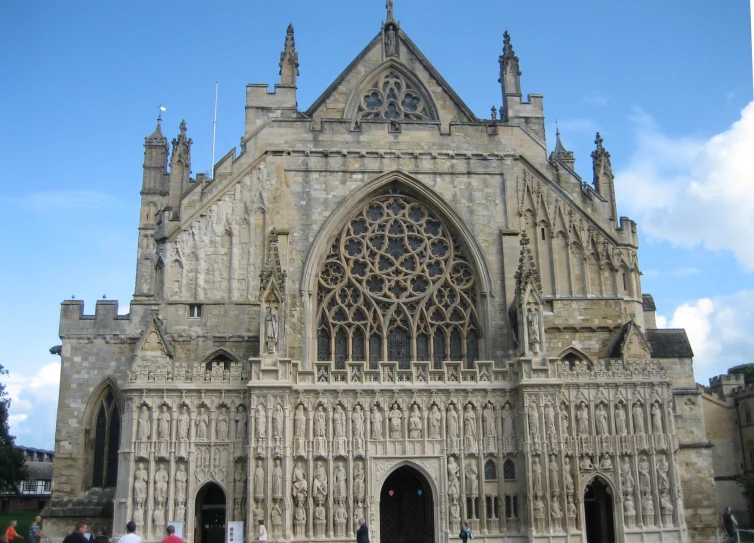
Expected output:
(392, 98)
(396, 273)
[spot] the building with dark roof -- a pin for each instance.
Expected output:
(36, 490)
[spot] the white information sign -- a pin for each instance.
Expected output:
(235, 532)
(178, 528)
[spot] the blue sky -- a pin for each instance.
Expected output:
(666, 83)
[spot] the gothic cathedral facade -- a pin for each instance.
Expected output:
(382, 308)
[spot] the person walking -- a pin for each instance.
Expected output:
(130, 536)
(466, 531)
(261, 534)
(101, 536)
(362, 534)
(77, 536)
(10, 532)
(730, 524)
(35, 529)
(171, 538)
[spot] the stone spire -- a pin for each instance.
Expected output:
(561, 153)
(603, 175)
(180, 168)
(527, 268)
(289, 60)
(510, 74)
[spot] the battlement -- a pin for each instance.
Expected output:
(742, 391)
(105, 320)
(724, 385)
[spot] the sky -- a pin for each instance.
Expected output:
(668, 84)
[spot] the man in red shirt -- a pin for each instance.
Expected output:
(172, 538)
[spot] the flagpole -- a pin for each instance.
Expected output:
(214, 134)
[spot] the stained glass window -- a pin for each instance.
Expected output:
(439, 348)
(375, 351)
(490, 470)
(341, 349)
(99, 447)
(422, 347)
(323, 345)
(357, 345)
(472, 349)
(104, 461)
(398, 347)
(509, 470)
(456, 351)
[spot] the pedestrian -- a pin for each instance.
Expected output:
(261, 535)
(35, 529)
(466, 531)
(730, 524)
(101, 536)
(171, 538)
(362, 534)
(10, 532)
(77, 536)
(130, 536)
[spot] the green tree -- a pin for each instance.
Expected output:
(12, 466)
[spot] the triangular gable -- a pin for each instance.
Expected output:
(154, 340)
(367, 65)
(630, 344)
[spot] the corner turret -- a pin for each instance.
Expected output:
(180, 170)
(289, 60)
(603, 176)
(529, 114)
(154, 197)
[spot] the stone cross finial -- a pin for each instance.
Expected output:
(598, 140)
(493, 110)
(389, 7)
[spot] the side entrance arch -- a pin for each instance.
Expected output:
(406, 508)
(599, 518)
(210, 514)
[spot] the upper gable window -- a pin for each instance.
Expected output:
(392, 98)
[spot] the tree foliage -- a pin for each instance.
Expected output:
(747, 370)
(12, 466)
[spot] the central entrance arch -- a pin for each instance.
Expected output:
(406, 508)
(210, 515)
(599, 520)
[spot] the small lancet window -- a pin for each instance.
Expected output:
(106, 442)
(509, 470)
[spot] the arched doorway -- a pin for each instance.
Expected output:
(210, 515)
(406, 508)
(599, 521)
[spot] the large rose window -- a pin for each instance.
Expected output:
(396, 286)
(392, 98)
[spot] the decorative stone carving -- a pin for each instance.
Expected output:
(339, 482)
(647, 509)
(261, 424)
(532, 321)
(320, 520)
(415, 423)
(277, 423)
(161, 479)
(539, 514)
(140, 485)
(359, 483)
(469, 428)
(435, 422)
(376, 423)
(453, 475)
(299, 486)
(656, 413)
(564, 426)
(556, 513)
(143, 432)
(582, 420)
(452, 431)
(163, 432)
(663, 483)
(357, 427)
(183, 433)
(549, 420)
(627, 478)
(600, 417)
(340, 519)
(202, 422)
(271, 330)
(629, 511)
(638, 417)
(276, 513)
(319, 483)
(259, 492)
(536, 476)
(221, 425)
(509, 432)
(320, 432)
(568, 476)
(644, 480)
(241, 423)
(159, 518)
(299, 432)
(606, 464)
(586, 463)
(571, 512)
(239, 489)
(471, 473)
(299, 520)
(666, 508)
(394, 417)
(339, 432)
(180, 512)
(620, 420)
(554, 474)
(181, 477)
(277, 481)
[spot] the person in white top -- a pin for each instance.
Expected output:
(130, 536)
(261, 535)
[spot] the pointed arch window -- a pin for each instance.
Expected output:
(509, 470)
(399, 274)
(106, 441)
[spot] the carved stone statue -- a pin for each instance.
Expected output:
(453, 475)
(180, 512)
(549, 419)
(320, 431)
(605, 462)
(638, 416)
(376, 419)
(452, 422)
(239, 483)
(299, 486)
(319, 483)
(357, 427)
(600, 418)
(163, 431)
(554, 474)
(488, 418)
(140, 484)
(161, 479)
(339, 431)
(627, 478)
(299, 431)
(359, 484)
(277, 481)
(567, 475)
(647, 509)
(339, 482)
(536, 475)
(563, 419)
(261, 423)
(159, 516)
(471, 473)
(533, 419)
(662, 473)
(620, 420)
(582, 420)
(644, 480)
(271, 331)
(415, 423)
(390, 41)
(395, 416)
(532, 320)
(241, 423)
(144, 429)
(183, 424)
(435, 422)
(539, 514)
(508, 431)
(469, 426)
(277, 519)
(221, 425)
(180, 483)
(277, 422)
(586, 463)
(259, 482)
(656, 419)
(202, 422)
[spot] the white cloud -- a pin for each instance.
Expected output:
(34, 402)
(719, 330)
(596, 97)
(693, 192)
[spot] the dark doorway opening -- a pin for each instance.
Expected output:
(210, 515)
(598, 513)
(406, 508)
